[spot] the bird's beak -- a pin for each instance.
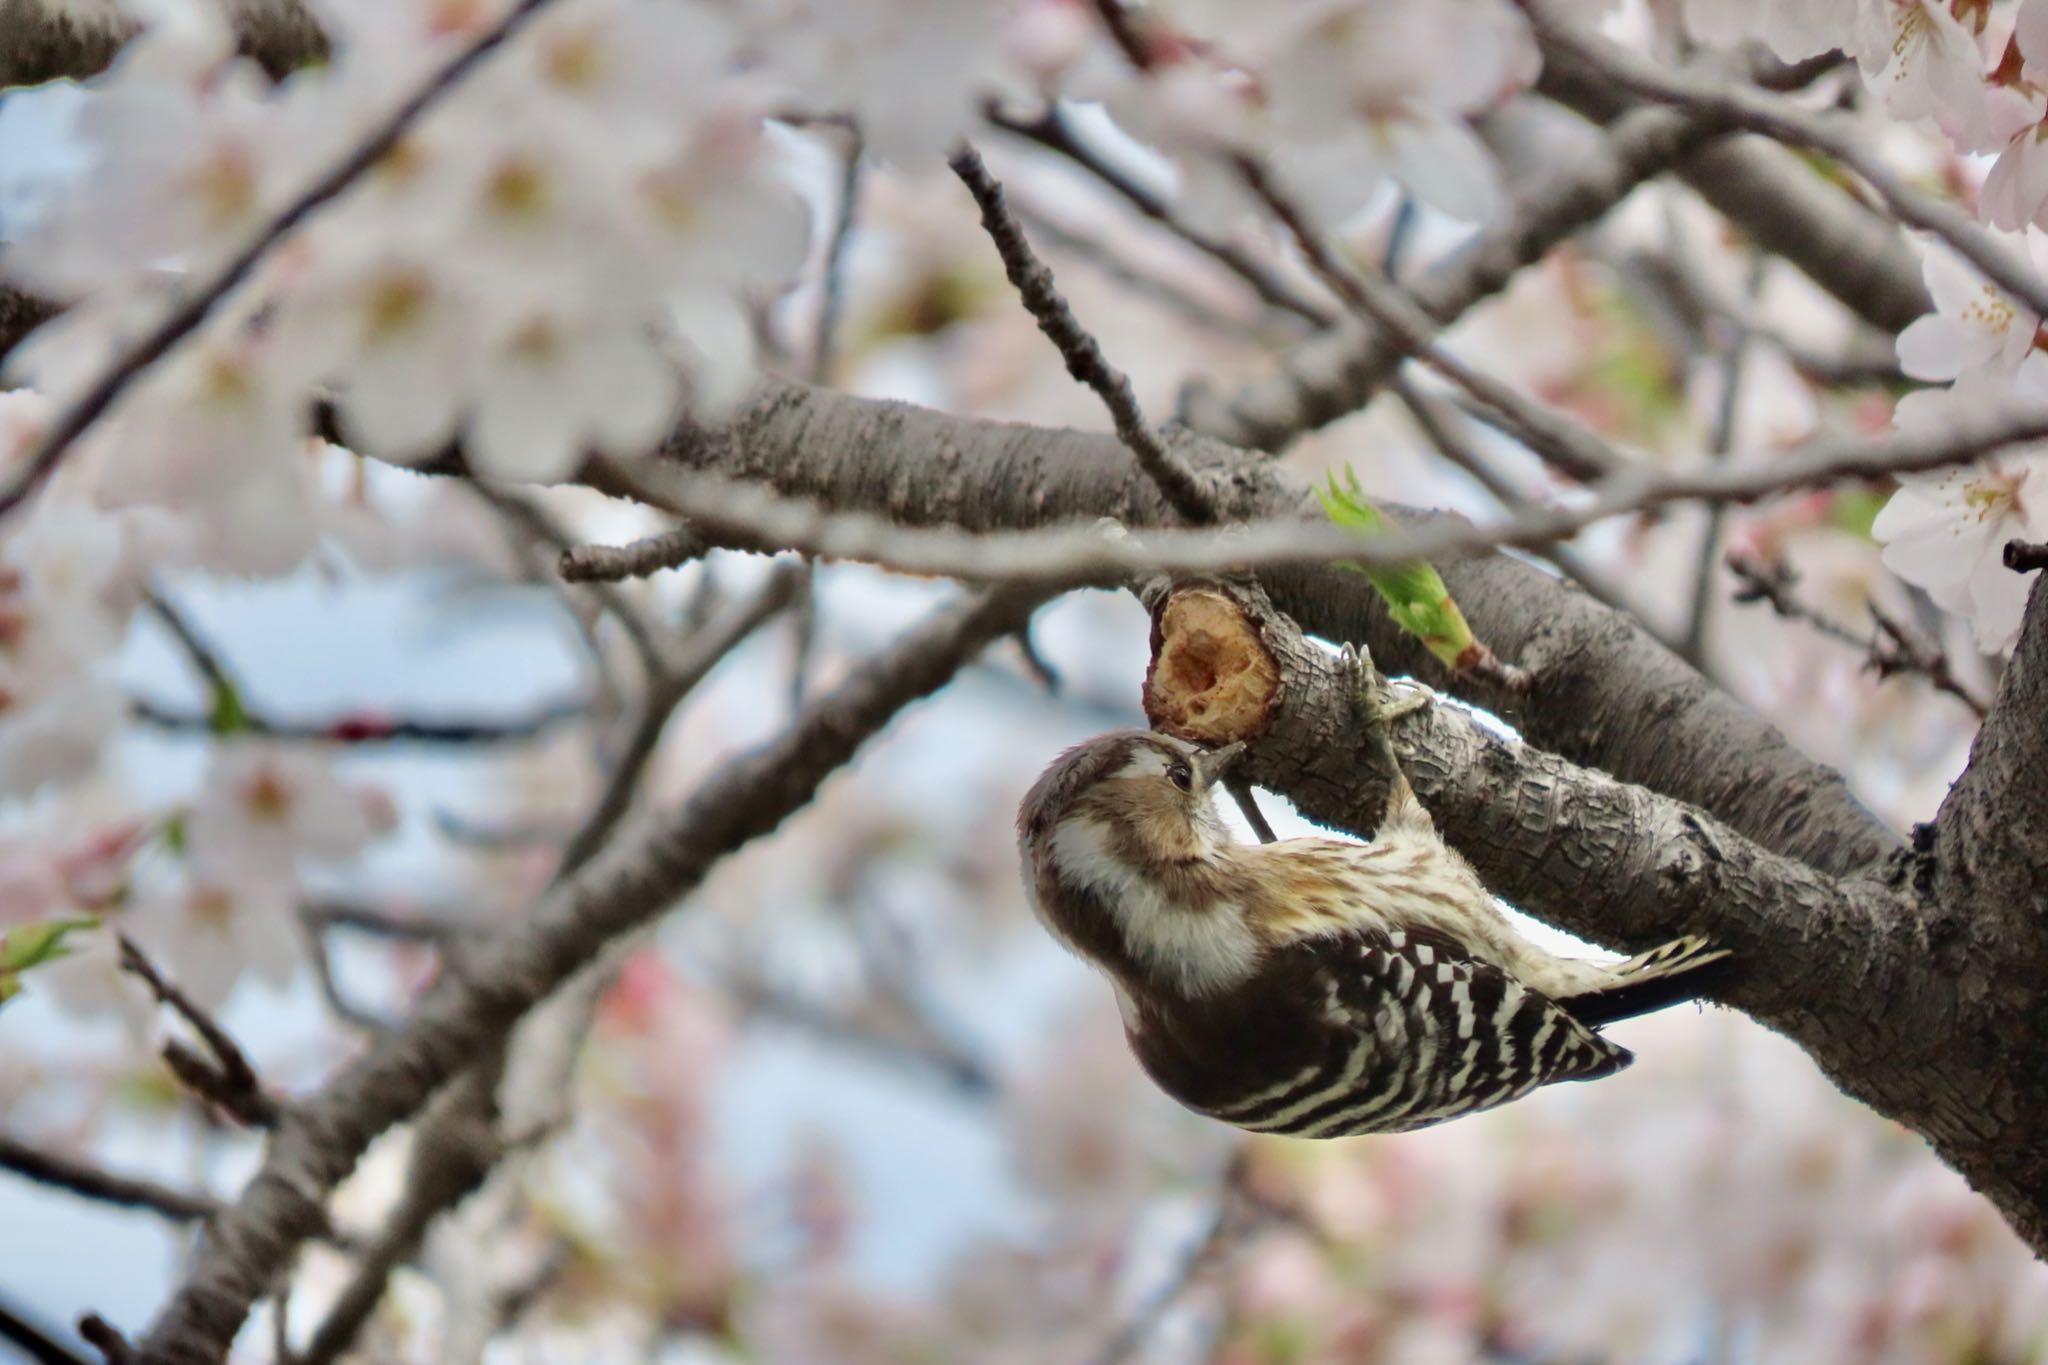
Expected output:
(1216, 762)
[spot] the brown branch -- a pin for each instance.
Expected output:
(638, 559)
(1730, 103)
(1566, 446)
(33, 1341)
(1327, 377)
(138, 356)
(1070, 555)
(832, 284)
(91, 1182)
(2024, 557)
(1084, 357)
(1437, 421)
(105, 1338)
(227, 1080)
(369, 726)
(1592, 669)
(319, 1140)
(1889, 650)
(1055, 132)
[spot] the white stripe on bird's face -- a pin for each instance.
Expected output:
(1200, 949)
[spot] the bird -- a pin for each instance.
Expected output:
(1314, 987)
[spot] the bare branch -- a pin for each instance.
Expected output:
(1890, 649)
(319, 1140)
(33, 1342)
(1330, 376)
(832, 286)
(89, 1181)
(1074, 555)
(228, 1080)
(1084, 357)
(1054, 131)
(652, 554)
(1737, 106)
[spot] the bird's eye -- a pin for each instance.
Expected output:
(1182, 776)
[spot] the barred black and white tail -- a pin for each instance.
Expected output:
(1682, 969)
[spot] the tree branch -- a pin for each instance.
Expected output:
(319, 1141)
(1867, 974)
(1594, 668)
(1336, 373)
(81, 1178)
(1084, 357)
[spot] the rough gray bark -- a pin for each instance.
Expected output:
(1928, 1009)
(1607, 694)
(45, 41)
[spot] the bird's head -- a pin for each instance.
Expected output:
(1128, 863)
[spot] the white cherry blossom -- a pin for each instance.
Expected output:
(265, 806)
(1945, 531)
(208, 934)
(1920, 59)
(1792, 29)
(1975, 326)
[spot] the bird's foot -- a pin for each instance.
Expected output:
(1377, 700)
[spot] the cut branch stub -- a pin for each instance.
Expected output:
(1212, 677)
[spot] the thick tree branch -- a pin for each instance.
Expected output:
(1868, 975)
(1607, 695)
(319, 1141)
(1990, 850)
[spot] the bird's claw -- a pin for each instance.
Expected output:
(1376, 699)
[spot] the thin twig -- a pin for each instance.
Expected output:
(1055, 132)
(228, 1080)
(1439, 423)
(2024, 556)
(1062, 239)
(141, 354)
(938, 1057)
(105, 1338)
(832, 284)
(651, 554)
(91, 1182)
(33, 1342)
(1720, 441)
(1566, 446)
(1084, 357)
(1891, 649)
(1227, 1223)
(371, 726)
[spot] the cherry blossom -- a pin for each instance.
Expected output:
(208, 934)
(1920, 59)
(1975, 327)
(1793, 29)
(264, 807)
(1946, 531)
